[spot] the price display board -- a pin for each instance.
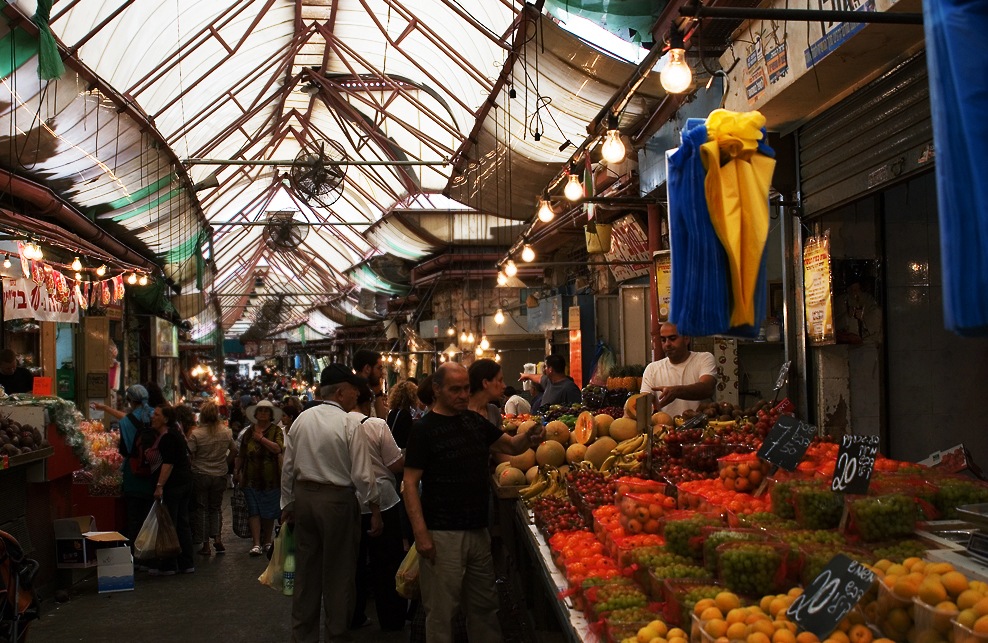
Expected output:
(831, 595)
(855, 463)
(786, 442)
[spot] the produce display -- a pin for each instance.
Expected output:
(17, 439)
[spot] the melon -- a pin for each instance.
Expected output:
(501, 467)
(623, 428)
(532, 474)
(631, 406)
(511, 477)
(557, 431)
(586, 429)
(509, 426)
(576, 453)
(603, 423)
(523, 461)
(599, 450)
(662, 418)
(526, 426)
(550, 452)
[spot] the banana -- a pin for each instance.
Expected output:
(608, 463)
(534, 489)
(629, 445)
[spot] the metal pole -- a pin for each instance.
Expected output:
(805, 15)
(326, 163)
(223, 224)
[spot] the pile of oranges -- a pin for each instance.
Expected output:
(741, 472)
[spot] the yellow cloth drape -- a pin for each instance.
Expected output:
(737, 184)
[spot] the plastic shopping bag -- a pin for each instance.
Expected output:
(166, 545)
(148, 535)
(407, 578)
(272, 575)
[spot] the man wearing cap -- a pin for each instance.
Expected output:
(327, 475)
(138, 491)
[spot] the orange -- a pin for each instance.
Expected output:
(898, 570)
(727, 601)
(783, 636)
(905, 588)
(676, 633)
(807, 637)
(765, 602)
(898, 619)
(764, 626)
(967, 618)
(968, 598)
(981, 625)
(711, 613)
(981, 607)
(660, 627)
(736, 631)
(931, 591)
(758, 637)
(910, 562)
(860, 634)
(646, 634)
(954, 582)
(703, 604)
(883, 564)
(839, 636)
(736, 615)
(939, 568)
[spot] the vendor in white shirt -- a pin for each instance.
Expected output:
(682, 379)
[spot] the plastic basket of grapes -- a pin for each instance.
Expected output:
(685, 536)
(817, 507)
(604, 599)
(714, 537)
(764, 520)
(681, 596)
(753, 569)
(703, 456)
(813, 558)
(883, 518)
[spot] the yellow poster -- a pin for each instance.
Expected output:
(663, 282)
(818, 290)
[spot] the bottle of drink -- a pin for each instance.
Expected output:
(288, 574)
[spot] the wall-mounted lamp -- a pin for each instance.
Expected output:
(528, 254)
(545, 211)
(613, 148)
(676, 77)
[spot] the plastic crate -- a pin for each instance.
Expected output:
(929, 618)
(884, 517)
(680, 596)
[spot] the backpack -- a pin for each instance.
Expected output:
(144, 438)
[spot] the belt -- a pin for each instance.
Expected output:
(317, 486)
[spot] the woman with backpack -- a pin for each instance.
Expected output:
(135, 436)
(169, 457)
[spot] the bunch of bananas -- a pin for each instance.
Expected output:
(627, 455)
(549, 482)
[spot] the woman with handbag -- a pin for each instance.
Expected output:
(210, 443)
(169, 458)
(257, 471)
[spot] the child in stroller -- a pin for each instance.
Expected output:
(18, 604)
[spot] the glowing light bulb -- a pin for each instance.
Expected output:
(574, 189)
(39, 254)
(497, 357)
(676, 77)
(502, 279)
(6, 261)
(499, 317)
(442, 357)
(132, 278)
(479, 351)
(528, 254)
(470, 338)
(450, 331)
(143, 280)
(397, 362)
(545, 212)
(484, 343)
(463, 337)
(76, 264)
(613, 148)
(510, 269)
(78, 276)
(101, 270)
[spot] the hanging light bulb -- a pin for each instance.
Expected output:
(442, 357)
(39, 254)
(545, 211)
(76, 264)
(613, 148)
(132, 278)
(142, 280)
(676, 77)
(484, 343)
(502, 279)
(6, 261)
(463, 337)
(101, 270)
(528, 254)
(470, 338)
(450, 331)
(479, 352)
(397, 362)
(510, 269)
(390, 359)
(78, 276)
(497, 357)
(574, 189)
(499, 317)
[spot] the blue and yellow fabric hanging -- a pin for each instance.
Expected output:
(718, 185)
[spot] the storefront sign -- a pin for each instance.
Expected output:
(818, 290)
(27, 299)
(628, 243)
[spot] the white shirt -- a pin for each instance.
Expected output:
(384, 452)
(665, 373)
(325, 446)
(517, 405)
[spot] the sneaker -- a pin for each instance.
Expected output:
(219, 547)
(205, 551)
(190, 570)
(256, 551)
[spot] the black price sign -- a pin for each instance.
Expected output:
(855, 463)
(831, 595)
(786, 442)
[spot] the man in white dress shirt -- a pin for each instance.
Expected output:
(326, 476)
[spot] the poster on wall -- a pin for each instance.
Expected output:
(165, 338)
(28, 299)
(629, 243)
(818, 290)
(663, 282)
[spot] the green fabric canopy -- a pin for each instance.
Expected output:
(629, 20)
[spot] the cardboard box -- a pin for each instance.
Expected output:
(77, 542)
(115, 570)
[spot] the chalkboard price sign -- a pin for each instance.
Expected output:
(831, 595)
(855, 463)
(786, 442)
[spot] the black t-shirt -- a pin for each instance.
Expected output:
(175, 452)
(20, 381)
(400, 422)
(453, 452)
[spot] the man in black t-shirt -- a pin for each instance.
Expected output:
(14, 378)
(448, 452)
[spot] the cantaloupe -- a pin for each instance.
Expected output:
(623, 428)
(603, 423)
(557, 431)
(631, 406)
(526, 426)
(532, 474)
(576, 453)
(660, 417)
(599, 450)
(586, 429)
(523, 461)
(550, 452)
(501, 467)
(511, 477)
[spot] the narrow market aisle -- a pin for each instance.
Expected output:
(222, 600)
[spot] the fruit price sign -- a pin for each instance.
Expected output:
(786, 442)
(855, 462)
(831, 595)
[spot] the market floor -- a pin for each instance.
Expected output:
(222, 600)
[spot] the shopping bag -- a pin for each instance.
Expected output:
(166, 545)
(272, 575)
(144, 544)
(238, 505)
(407, 578)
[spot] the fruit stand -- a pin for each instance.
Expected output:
(669, 530)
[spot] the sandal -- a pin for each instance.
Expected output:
(205, 551)
(219, 547)
(255, 550)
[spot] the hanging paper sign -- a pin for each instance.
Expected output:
(27, 299)
(831, 595)
(42, 387)
(786, 442)
(818, 291)
(855, 463)
(25, 262)
(629, 243)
